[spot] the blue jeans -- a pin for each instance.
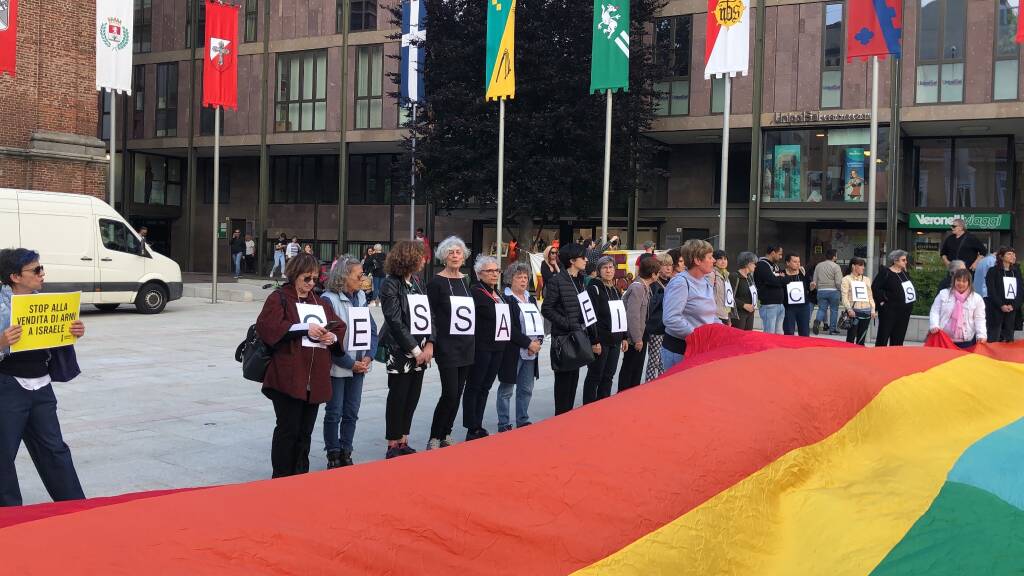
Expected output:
(798, 320)
(377, 283)
(524, 392)
(669, 358)
(828, 304)
(771, 318)
(278, 264)
(343, 410)
(237, 258)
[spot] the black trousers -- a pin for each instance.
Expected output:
(632, 368)
(289, 449)
(403, 396)
(1002, 329)
(858, 330)
(453, 383)
(31, 416)
(565, 390)
(474, 402)
(600, 372)
(892, 325)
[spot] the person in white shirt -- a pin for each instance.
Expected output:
(293, 248)
(959, 312)
(250, 254)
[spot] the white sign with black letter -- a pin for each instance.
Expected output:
(311, 314)
(419, 314)
(532, 323)
(618, 315)
(587, 307)
(753, 295)
(795, 293)
(730, 298)
(909, 293)
(858, 291)
(1010, 288)
(502, 323)
(463, 316)
(357, 337)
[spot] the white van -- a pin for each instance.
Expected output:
(86, 245)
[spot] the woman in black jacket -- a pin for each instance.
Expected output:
(519, 365)
(491, 338)
(1004, 289)
(600, 372)
(407, 354)
(562, 308)
(894, 295)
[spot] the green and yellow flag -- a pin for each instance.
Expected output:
(501, 49)
(609, 66)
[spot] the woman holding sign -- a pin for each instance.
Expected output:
(350, 368)
(455, 318)
(858, 301)
(610, 332)
(28, 406)
(798, 309)
(519, 366)
(959, 312)
(895, 295)
(745, 291)
(299, 327)
(493, 331)
(572, 332)
(1004, 289)
(406, 341)
(637, 301)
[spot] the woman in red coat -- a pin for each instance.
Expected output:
(298, 378)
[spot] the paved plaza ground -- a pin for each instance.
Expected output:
(161, 404)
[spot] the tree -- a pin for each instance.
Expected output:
(554, 130)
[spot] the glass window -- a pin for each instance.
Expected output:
(1007, 52)
(200, 30)
(143, 39)
(673, 43)
(369, 80)
(104, 106)
(304, 180)
(139, 101)
(116, 236)
(717, 95)
(251, 19)
(822, 165)
(158, 180)
(962, 172)
(371, 178)
(832, 58)
(206, 181)
(167, 99)
(940, 51)
(302, 92)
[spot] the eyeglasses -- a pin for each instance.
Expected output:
(490, 270)
(307, 279)
(37, 270)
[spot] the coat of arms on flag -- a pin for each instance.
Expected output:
(5, 15)
(114, 33)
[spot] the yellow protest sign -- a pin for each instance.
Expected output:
(45, 319)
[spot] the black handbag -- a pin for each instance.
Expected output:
(63, 364)
(571, 351)
(254, 353)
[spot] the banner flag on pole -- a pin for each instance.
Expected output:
(8, 36)
(874, 28)
(114, 30)
(500, 81)
(727, 47)
(414, 15)
(609, 65)
(220, 71)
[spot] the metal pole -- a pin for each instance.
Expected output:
(501, 175)
(607, 165)
(725, 164)
(412, 182)
(216, 195)
(113, 143)
(872, 165)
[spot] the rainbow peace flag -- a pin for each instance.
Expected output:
(760, 455)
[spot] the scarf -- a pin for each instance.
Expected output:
(953, 327)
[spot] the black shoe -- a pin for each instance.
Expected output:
(816, 328)
(475, 434)
(393, 452)
(524, 425)
(405, 449)
(346, 458)
(505, 428)
(334, 459)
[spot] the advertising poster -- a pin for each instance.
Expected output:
(787, 173)
(853, 173)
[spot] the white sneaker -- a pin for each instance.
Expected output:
(434, 444)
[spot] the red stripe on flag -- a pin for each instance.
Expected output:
(711, 33)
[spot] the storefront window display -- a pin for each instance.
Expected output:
(963, 173)
(822, 165)
(848, 242)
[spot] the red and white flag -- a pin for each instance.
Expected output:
(8, 36)
(220, 71)
(727, 49)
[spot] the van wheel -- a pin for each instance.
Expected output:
(151, 299)
(106, 307)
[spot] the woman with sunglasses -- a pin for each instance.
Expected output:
(28, 406)
(298, 378)
(490, 344)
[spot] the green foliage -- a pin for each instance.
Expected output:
(926, 283)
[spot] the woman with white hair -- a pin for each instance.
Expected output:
(348, 369)
(454, 347)
(490, 345)
(895, 295)
(519, 366)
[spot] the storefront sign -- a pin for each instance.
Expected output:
(818, 117)
(943, 220)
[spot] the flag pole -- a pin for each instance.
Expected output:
(872, 165)
(725, 164)
(412, 181)
(216, 194)
(501, 176)
(607, 165)
(113, 143)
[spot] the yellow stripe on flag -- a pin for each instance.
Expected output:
(839, 506)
